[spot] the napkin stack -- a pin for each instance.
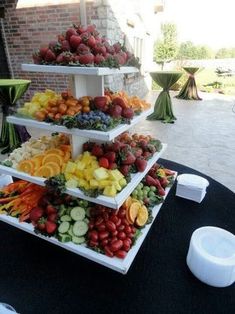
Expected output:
(191, 187)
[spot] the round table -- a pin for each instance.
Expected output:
(37, 277)
(11, 90)
(189, 89)
(163, 105)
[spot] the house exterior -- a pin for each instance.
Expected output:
(28, 24)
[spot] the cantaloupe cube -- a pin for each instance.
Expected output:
(100, 173)
(110, 191)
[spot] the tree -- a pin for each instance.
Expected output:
(188, 50)
(165, 49)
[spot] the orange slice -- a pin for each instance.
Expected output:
(127, 202)
(37, 160)
(55, 167)
(142, 216)
(133, 211)
(54, 158)
(65, 148)
(44, 171)
(54, 151)
(26, 166)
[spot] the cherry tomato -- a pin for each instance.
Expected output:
(108, 252)
(93, 243)
(122, 213)
(118, 222)
(114, 218)
(133, 229)
(103, 235)
(128, 229)
(91, 225)
(114, 239)
(125, 222)
(121, 228)
(101, 227)
(93, 235)
(126, 244)
(127, 241)
(99, 221)
(104, 242)
(110, 226)
(114, 233)
(120, 254)
(121, 235)
(106, 216)
(116, 245)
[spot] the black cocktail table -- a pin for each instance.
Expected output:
(37, 277)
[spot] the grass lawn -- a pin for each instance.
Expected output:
(208, 76)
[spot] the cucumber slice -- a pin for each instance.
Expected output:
(70, 231)
(62, 210)
(65, 218)
(64, 237)
(80, 228)
(86, 220)
(64, 227)
(78, 240)
(78, 213)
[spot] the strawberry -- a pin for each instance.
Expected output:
(86, 58)
(65, 46)
(137, 151)
(81, 29)
(50, 209)
(37, 59)
(70, 32)
(41, 224)
(60, 58)
(67, 56)
(128, 113)
(50, 227)
(61, 37)
(91, 28)
(116, 146)
(127, 157)
(146, 155)
(50, 56)
(36, 213)
(125, 169)
(101, 103)
(43, 51)
(99, 59)
(141, 164)
(75, 41)
(99, 48)
(112, 165)
(97, 151)
(119, 58)
(111, 156)
(53, 217)
(117, 47)
(83, 49)
(119, 101)
(115, 111)
(103, 162)
(91, 42)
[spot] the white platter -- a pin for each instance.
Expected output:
(116, 264)
(114, 202)
(91, 134)
(96, 71)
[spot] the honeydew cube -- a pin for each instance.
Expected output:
(23, 111)
(71, 183)
(110, 191)
(104, 183)
(94, 183)
(81, 165)
(70, 167)
(122, 182)
(115, 175)
(100, 173)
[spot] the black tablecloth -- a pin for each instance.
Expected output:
(37, 277)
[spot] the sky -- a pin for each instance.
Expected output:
(206, 22)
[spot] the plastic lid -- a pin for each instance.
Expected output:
(192, 180)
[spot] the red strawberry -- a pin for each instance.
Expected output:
(36, 213)
(50, 227)
(86, 58)
(110, 49)
(146, 155)
(115, 111)
(119, 58)
(101, 103)
(117, 47)
(97, 151)
(112, 165)
(41, 224)
(99, 48)
(128, 113)
(82, 49)
(91, 28)
(137, 151)
(75, 41)
(76, 58)
(141, 164)
(99, 59)
(103, 162)
(127, 157)
(125, 169)
(60, 58)
(70, 32)
(111, 156)
(50, 56)
(61, 37)
(43, 51)
(119, 101)
(67, 56)
(81, 29)
(116, 146)
(65, 46)
(53, 217)
(50, 209)
(91, 42)
(37, 59)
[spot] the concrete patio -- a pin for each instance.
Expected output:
(203, 136)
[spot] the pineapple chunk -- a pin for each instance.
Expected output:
(71, 183)
(87, 158)
(70, 167)
(94, 183)
(100, 174)
(122, 182)
(110, 191)
(69, 176)
(79, 174)
(117, 185)
(115, 175)
(88, 174)
(81, 165)
(104, 183)
(94, 164)
(82, 183)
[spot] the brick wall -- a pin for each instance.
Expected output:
(28, 28)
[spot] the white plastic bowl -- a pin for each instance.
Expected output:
(5, 179)
(211, 256)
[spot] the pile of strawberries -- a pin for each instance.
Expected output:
(129, 153)
(82, 46)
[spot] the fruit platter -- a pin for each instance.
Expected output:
(99, 233)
